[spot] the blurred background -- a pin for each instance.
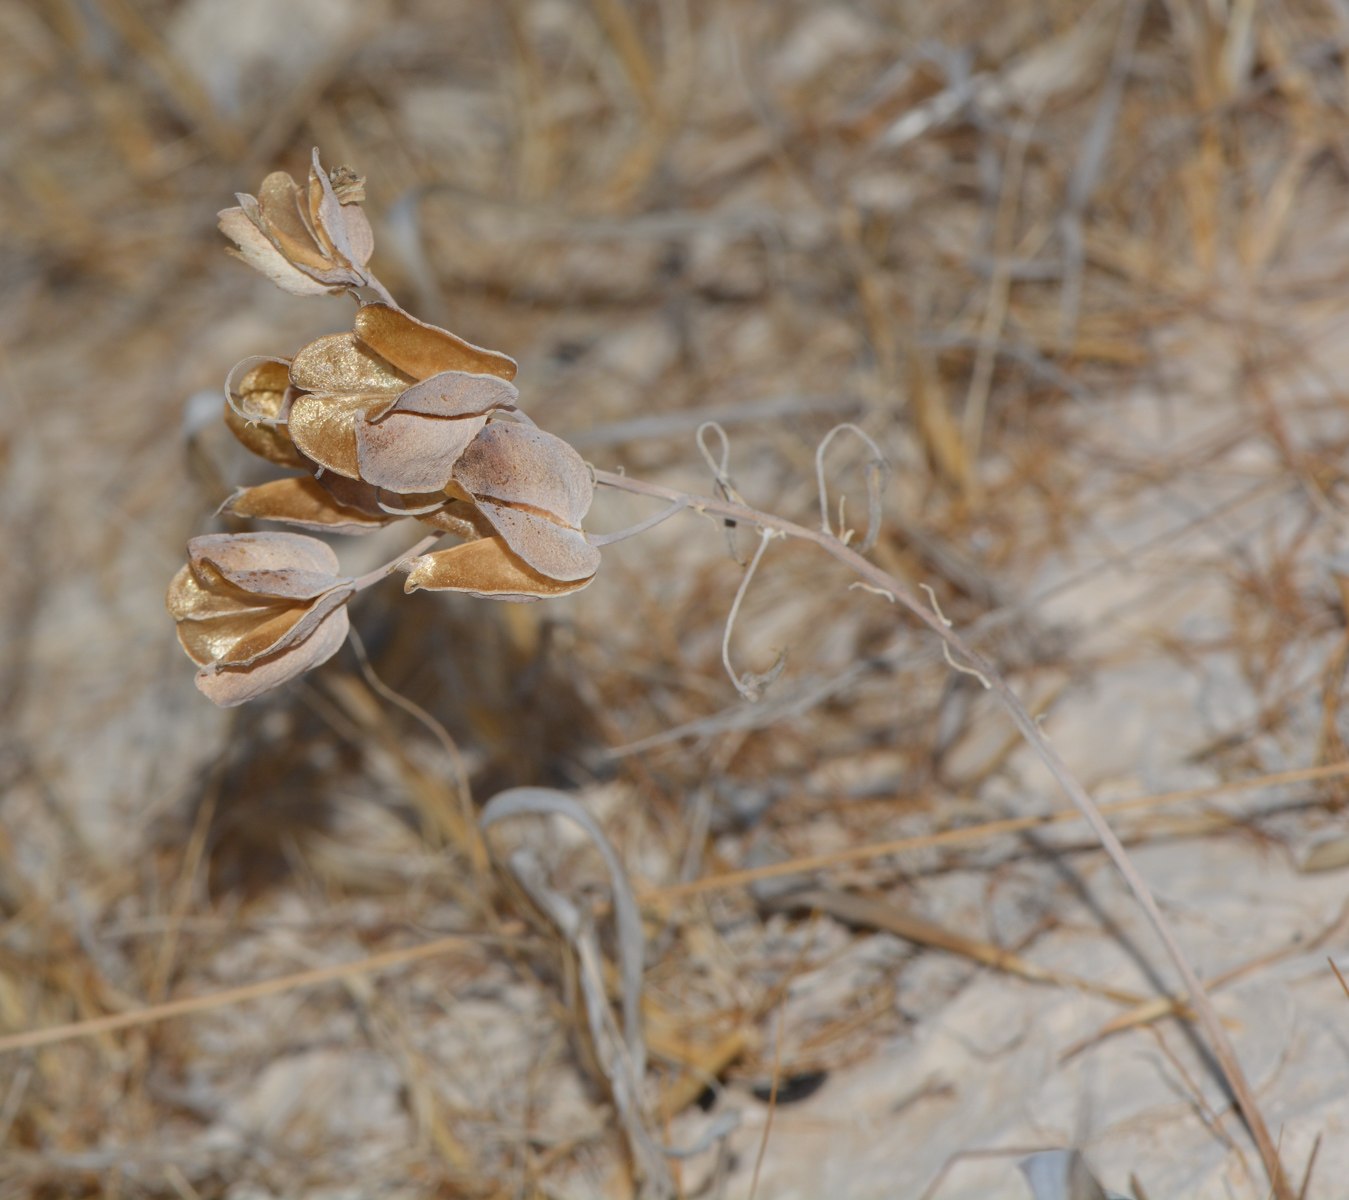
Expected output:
(1078, 268)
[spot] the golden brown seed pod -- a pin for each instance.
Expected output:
(254, 610)
(257, 407)
(305, 502)
(486, 568)
(534, 489)
(391, 404)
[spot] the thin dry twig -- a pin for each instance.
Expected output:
(1338, 976)
(1221, 1044)
(974, 833)
(875, 913)
(772, 1097)
(462, 786)
(750, 685)
(999, 290)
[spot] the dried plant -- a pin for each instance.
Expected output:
(399, 419)
(306, 241)
(256, 609)
(395, 419)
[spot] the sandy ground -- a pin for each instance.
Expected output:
(1078, 269)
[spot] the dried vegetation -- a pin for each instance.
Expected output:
(1079, 271)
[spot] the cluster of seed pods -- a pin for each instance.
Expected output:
(394, 420)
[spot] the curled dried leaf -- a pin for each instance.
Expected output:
(282, 214)
(406, 452)
(265, 392)
(255, 248)
(285, 566)
(304, 502)
(326, 215)
(534, 489)
(257, 408)
(229, 686)
(324, 429)
(486, 568)
(557, 550)
(457, 394)
(344, 365)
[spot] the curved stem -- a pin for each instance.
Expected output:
(364, 581)
(373, 283)
(873, 471)
(608, 539)
(1221, 1044)
(469, 835)
(752, 685)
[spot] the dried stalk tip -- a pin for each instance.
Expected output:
(348, 187)
(307, 241)
(254, 610)
(394, 419)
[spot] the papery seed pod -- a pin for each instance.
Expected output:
(305, 240)
(254, 610)
(488, 569)
(459, 517)
(534, 489)
(305, 502)
(256, 411)
(395, 402)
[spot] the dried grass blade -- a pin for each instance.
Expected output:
(238, 995)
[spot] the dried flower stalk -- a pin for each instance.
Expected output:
(400, 419)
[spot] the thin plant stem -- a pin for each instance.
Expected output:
(380, 290)
(608, 539)
(1223, 1050)
(751, 685)
(772, 1097)
(373, 577)
(472, 838)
